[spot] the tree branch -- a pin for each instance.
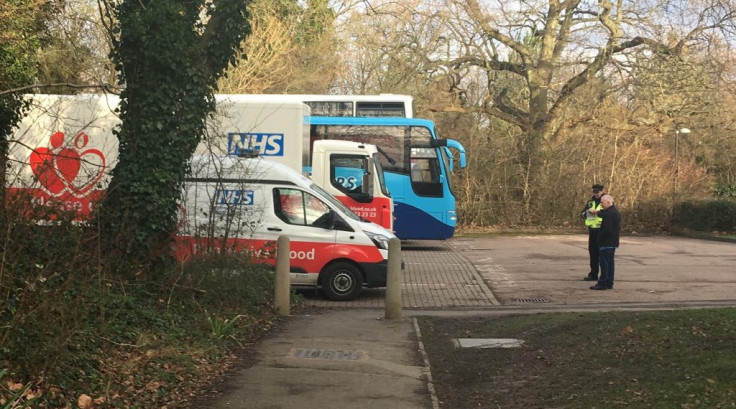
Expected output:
(597, 64)
(522, 50)
(110, 88)
(492, 64)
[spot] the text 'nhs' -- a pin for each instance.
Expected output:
(266, 144)
(234, 197)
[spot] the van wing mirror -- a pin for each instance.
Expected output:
(332, 221)
(326, 221)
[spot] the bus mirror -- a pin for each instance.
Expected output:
(450, 158)
(451, 143)
(460, 149)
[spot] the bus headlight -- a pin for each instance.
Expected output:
(379, 240)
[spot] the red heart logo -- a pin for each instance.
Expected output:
(67, 164)
(43, 166)
(59, 169)
(94, 169)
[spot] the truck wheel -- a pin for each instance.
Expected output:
(342, 282)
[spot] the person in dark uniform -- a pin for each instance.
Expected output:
(608, 240)
(593, 223)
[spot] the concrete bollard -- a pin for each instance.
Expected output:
(282, 287)
(393, 281)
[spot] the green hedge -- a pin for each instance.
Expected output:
(707, 215)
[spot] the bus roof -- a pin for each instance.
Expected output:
(375, 121)
(258, 99)
(348, 97)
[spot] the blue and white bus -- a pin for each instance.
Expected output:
(417, 167)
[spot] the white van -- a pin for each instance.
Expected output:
(239, 204)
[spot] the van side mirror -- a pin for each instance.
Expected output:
(326, 221)
(332, 221)
(340, 224)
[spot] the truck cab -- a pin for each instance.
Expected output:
(352, 172)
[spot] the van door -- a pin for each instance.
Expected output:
(307, 221)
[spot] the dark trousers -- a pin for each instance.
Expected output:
(593, 251)
(608, 266)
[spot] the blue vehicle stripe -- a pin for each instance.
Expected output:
(415, 223)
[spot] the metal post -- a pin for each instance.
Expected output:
(282, 290)
(677, 164)
(393, 281)
(676, 199)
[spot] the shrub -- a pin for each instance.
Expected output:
(706, 215)
(70, 325)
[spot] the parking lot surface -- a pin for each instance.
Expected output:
(483, 272)
(435, 275)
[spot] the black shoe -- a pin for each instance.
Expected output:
(609, 287)
(590, 278)
(599, 287)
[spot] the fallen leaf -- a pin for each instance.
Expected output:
(153, 386)
(14, 387)
(627, 331)
(84, 402)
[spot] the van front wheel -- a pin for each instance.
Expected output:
(342, 282)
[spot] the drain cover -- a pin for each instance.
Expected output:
(328, 354)
(532, 300)
(489, 342)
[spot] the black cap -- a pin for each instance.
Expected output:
(597, 187)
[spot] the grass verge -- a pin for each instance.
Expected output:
(674, 359)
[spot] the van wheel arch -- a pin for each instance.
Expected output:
(342, 280)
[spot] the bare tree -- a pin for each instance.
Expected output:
(292, 50)
(536, 75)
(77, 52)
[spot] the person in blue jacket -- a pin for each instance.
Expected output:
(608, 241)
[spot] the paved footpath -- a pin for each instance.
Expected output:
(347, 356)
(347, 359)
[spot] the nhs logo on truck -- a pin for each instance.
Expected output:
(234, 197)
(251, 143)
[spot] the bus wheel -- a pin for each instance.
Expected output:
(342, 282)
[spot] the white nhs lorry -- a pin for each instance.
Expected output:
(63, 150)
(279, 129)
